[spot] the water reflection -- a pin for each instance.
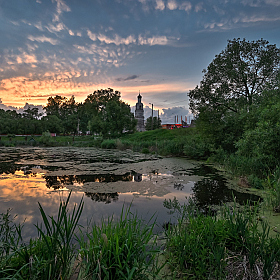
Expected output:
(178, 186)
(103, 197)
(214, 191)
(28, 176)
(58, 182)
(8, 167)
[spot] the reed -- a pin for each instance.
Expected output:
(201, 246)
(51, 255)
(123, 249)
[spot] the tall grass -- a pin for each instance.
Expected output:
(123, 249)
(233, 243)
(212, 247)
(50, 256)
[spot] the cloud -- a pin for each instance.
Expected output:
(39, 26)
(42, 39)
(198, 7)
(155, 40)
(255, 18)
(60, 8)
(5, 107)
(167, 115)
(91, 35)
(160, 5)
(181, 112)
(172, 5)
(185, 6)
(239, 21)
(56, 28)
(132, 77)
(27, 58)
(273, 2)
(117, 40)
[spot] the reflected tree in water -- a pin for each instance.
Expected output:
(214, 191)
(58, 182)
(103, 197)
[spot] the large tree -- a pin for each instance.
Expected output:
(236, 76)
(65, 110)
(231, 86)
(109, 114)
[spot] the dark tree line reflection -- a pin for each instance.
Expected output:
(214, 191)
(103, 197)
(58, 182)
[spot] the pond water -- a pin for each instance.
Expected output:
(107, 180)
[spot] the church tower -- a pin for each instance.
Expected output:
(139, 114)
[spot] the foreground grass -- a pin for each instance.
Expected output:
(116, 250)
(234, 244)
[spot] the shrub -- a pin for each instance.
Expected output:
(46, 139)
(145, 151)
(108, 144)
(197, 147)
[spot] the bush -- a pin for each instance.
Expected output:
(122, 145)
(196, 147)
(108, 144)
(46, 139)
(145, 151)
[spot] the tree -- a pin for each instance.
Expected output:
(231, 87)
(113, 120)
(52, 123)
(31, 113)
(235, 78)
(64, 109)
(261, 142)
(156, 123)
(94, 104)
(54, 104)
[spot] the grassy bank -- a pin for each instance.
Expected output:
(160, 141)
(235, 242)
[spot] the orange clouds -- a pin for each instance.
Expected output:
(19, 90)
(129, 93)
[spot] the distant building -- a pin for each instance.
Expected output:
(139, 114)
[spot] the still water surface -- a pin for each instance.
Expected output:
(106, 180)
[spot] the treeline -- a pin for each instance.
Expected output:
(102, 112)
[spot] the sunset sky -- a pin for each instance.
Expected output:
(160, 47)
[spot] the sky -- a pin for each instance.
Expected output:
(157, 47)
